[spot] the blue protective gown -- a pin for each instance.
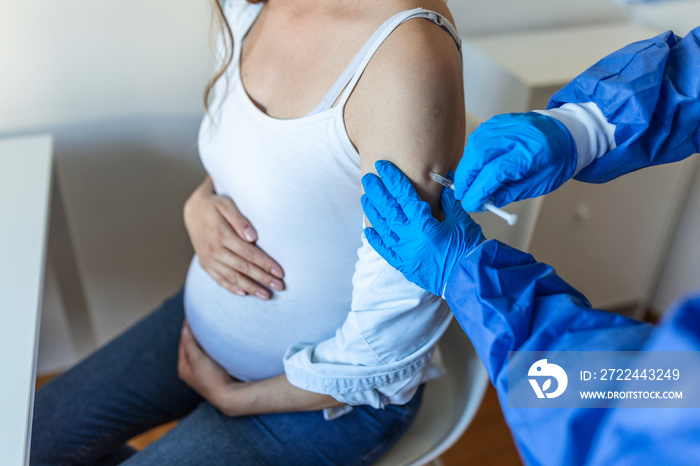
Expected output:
(651, 91)
(507, 301)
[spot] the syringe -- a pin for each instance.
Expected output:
(488, 205)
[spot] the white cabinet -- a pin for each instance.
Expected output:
(606, 240)
(518, 72)
(609, 240)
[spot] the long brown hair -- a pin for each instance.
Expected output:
(219, 17)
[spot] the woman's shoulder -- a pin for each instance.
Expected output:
(408, 107)
(419, 49)
(419, 65)
(423, 28)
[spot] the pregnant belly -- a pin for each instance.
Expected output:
(248, 336)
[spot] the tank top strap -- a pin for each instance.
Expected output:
(241, 15)
(347, 74)
(348, 80)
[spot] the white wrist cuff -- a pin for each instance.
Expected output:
(593, 134)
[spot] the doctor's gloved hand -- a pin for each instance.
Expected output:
(405, 233)
(514, 157)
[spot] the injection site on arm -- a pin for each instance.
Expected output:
(511, 219)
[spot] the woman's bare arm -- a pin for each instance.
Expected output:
(408, 107)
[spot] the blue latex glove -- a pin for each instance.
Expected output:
(406, 234)
(514, 157)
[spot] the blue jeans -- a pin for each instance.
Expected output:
(86, 415)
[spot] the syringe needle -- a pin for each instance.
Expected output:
(511, 219)
(442, 180)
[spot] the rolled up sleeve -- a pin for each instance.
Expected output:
(384, 350)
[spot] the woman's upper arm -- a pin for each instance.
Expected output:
(408, 107)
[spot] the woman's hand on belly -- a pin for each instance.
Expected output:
(224, 241)
(198, 370)
(235, 398)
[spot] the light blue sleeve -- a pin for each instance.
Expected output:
(650, 91)
(384, 349)
(506, 301)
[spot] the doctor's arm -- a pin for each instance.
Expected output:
(637, 107)
(503, 298)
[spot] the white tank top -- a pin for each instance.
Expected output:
(298, 182)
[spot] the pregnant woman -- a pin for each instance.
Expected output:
(292, 341)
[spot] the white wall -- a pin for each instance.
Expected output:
(119, 84)
(681, 16)
(475, 17)
(681, 272)
(78, 60)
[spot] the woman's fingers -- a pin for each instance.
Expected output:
(183, 363)
(251, 253)
(224, 242)
(244, 260)
(246, 266)
(245, 231)
(240, 224)
(235, 281)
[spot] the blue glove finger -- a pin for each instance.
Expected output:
(418, 212)
(378, 222)
(514, 191)
(471, 232)
(383, 200)
(495, 182)
(491, 179)
(413, 207)
(394, 179)
(455, 214)
(450, 204)
(481, 150)
(538, 154)
(375, 240)
(448, 200)
(397, 184)
(475, 157)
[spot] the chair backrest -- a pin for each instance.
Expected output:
(449, 404)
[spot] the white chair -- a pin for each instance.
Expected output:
(449, 404)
